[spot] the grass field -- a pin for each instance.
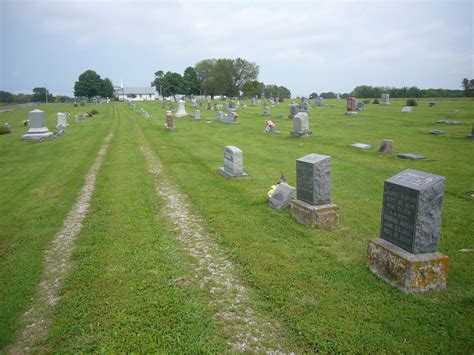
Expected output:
(120, 296)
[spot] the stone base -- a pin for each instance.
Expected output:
(351, 113)
(223, 172)
(408, 272)
(37, 134)
(470, 136)
(181, 114)
(384, 103)
(322, 216)
(171, 129)
(303, 134)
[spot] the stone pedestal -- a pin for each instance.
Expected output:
(351, 113)
(37, 130)
(302, 134)
(406, 271)
(321, 216)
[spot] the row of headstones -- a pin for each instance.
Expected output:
(37, 126)
(406, 254)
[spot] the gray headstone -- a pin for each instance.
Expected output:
(472, 132)
(233, 162)
(411, 213)
(294, 109)
(437, 131)
(36, 118)
(385, 99)
(37, 129)
(197, 115)
(319, 101)
(282, 196)
(407, 109)
(361, 146)
(300, 122)
(410, 156)
(266, 111)
(313, 179)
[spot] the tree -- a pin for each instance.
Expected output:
(6, 97)
(468, 86)
(191, 81)
(39, 95)
(88, 85)
(204, 70)
(328, 95)
(172, 84)
(107, 88)
(243, 71)
(252, 88)
(313, 95)
(158, 82)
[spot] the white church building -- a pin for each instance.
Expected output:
(135, 93)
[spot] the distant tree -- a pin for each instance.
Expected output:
(328, 95)
(39, 95)
(243, 72)
(158, 82)
(107, 88)
(313, 95)
(204, 70)
(252, 88)
(344, 96)
(6, 97)
(468, 86)
(61, 99)
(222, 77)
(191, 81)
(277, 91)
(172, 84)
(88, 85)
(23, 98)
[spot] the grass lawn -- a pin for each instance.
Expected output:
(121, 296)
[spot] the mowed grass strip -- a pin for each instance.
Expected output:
(316, 281)
(39, 183)
(130, 290)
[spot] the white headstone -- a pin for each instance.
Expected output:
(233, 162)
(181, 109)
(37, 130)
(197, 115)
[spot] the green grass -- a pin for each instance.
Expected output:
(120, 296)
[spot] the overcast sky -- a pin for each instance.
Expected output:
(308, 46)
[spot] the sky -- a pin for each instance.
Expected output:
(306, 46)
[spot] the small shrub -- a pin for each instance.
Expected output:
(75, 105)
(83, 104)
(366, 101)
(94, 112)
(4, 130)
(376, 101)
(411, 102)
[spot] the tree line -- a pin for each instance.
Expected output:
(366, 91)
(40, 94)
(223, 77)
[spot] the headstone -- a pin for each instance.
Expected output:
(472, 133)
(431, 104)
(319, 101)
(209, 105)
(233, 163)
(385, 99)
(197, 115)
(360, 106)
(172, 107)
(303, 106)
(169, 121)
(351, 106)
(61, 120)
(254, 101)
(386, 147)
(410, 156)
(163, 103)
(313, 192)
(282, 196)
(301, 125)
(406, 255)
(407, 109)
(294, 109)
(181, 109)
(362, 146)
(451, 122)
(437, 132)
(37, 130)
(266, 111)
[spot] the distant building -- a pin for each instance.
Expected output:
(136, 94)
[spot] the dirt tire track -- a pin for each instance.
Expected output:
(36, 320)
(213, 271)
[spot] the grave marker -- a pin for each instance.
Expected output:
(301, 125)
(233, 163)
(282, 196)
(38, 129)
(351, 106)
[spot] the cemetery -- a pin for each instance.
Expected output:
(366, 246)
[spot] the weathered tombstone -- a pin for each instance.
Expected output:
(172, 107)
(406, 255)
(266, 111)
(254, 101)
(312, 205)
(181, 109)
(61, 120)
(37, 130)
(407, 109)
(282, 196)
(437, 132)
(362, 146)
(303, 106)
(169, 121)
(197, 115)
(319, 101)
(386, 146)
(351, 106)
(385, 99)
(472, 133)
(360, 106)
(410, 156)
(233, 163)
(294, 109)
(301, 125)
